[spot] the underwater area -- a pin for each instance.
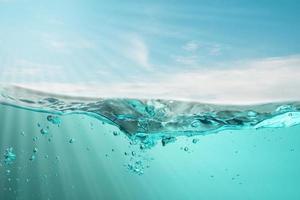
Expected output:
(56, 147)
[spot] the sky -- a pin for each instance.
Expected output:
(232, 51)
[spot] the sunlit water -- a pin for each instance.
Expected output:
(55, 147)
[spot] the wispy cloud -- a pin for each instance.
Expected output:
(138, 52)
(194, 50)
(215, 50)
(23, 69)
(65, 45)
(264, 80)
(191, 46)
(57, 44)
(187, 60)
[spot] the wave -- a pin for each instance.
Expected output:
(153, 120)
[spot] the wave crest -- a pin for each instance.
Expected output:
(149, 120)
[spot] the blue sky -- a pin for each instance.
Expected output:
(141, 48)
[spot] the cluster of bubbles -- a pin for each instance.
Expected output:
(138, 161)
(9, 156)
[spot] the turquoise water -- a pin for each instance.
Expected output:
(57, 147)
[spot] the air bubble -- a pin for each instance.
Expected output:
(195, 140)
(115, 133)
(54, 119)
(44, 131)
(32, 158)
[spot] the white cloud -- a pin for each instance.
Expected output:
(254, 81)
(192, 52)
(212, 49)
(138, 52)
(187, 60)
(56, 44)
(191, 46)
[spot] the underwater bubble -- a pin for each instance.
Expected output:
(72, 140)
(147, 142)
(35, 150)
(115, 133)
(168, 139)
(54, 119)
(35, 138)
(133, 153)
(38, 124)
(44, 131)
(32, 158)
(23, 133)
(186, 149)
(142, 146)
(195, 140)
(136, 167)
(9, 156)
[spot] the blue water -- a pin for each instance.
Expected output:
(59, 147)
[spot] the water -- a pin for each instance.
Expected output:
(58, 147)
